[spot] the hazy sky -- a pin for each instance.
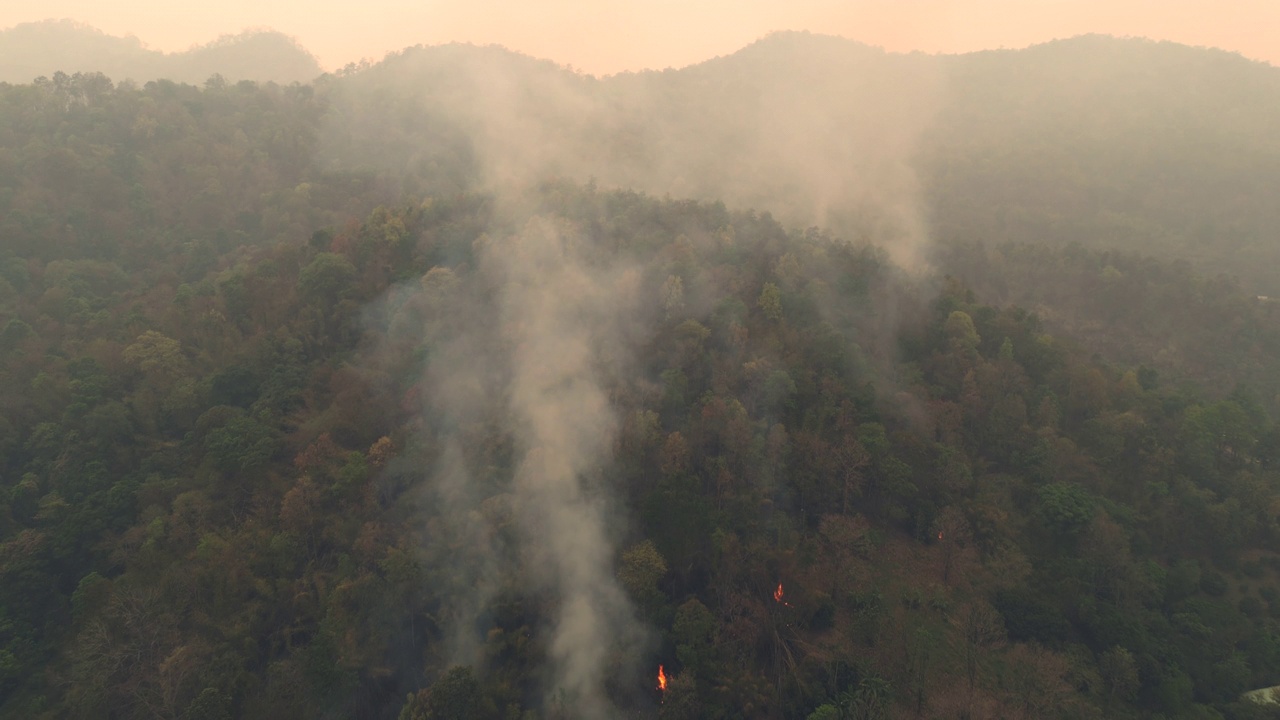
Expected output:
(605, 36)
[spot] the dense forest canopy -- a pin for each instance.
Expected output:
(422, 391)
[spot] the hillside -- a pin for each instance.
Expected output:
(33, 50)
(375, 398)
(1131, 145)
(292, 486)
(1119, 144)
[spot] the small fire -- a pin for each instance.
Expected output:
(777, 596)
(662, 679)
(939, 534)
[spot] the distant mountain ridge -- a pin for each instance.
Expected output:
(1120, 143)
(1130, 144)
(32, 50)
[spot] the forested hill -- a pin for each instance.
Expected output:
(42, 49)
(348, 400)
(1134, 145)
(1121, 144)
(1113, 143)
(866, 151)
(238, 495)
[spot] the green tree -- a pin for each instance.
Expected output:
(641, 569)
(157, 355)
(455, 696)
(210, 704)
(241, 445)
(327, 279)
(1066, 508)
(770, 301)
(825, 712)
(15, 331)
(1119, 671)
(694, 635)
(681, 701)
(960, 328)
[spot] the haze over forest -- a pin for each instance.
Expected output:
(810, 381)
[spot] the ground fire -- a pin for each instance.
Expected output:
(777, 596)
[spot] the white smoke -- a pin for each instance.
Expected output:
(522, 357)
(562, 319)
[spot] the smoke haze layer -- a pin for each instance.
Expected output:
(837, 150)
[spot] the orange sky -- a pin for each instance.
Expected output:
(606, 36)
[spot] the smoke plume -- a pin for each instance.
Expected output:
(544, 320)
(557, 315)
(522, 356)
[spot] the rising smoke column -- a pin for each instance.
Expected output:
(563, 318)
(464, 408)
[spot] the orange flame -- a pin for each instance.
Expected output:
(777, 596)
(939, 534)
(662, 679)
